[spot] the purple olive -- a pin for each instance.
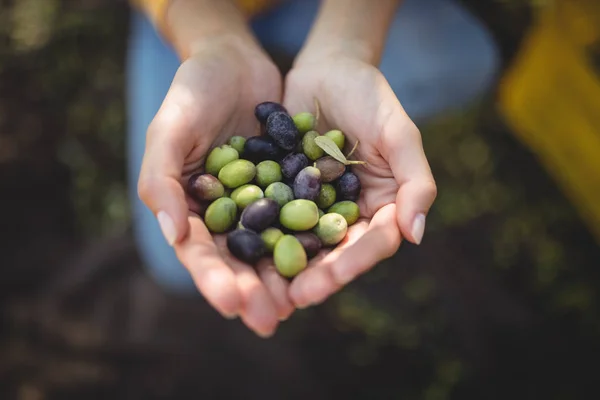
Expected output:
(260, 215)
(261, 148)
(292, 164)
(281, 128)
(263, 110)
(349, 187)
(246, 245)
(311, 243)
(307, 184)
(205, 187)
(331, 169)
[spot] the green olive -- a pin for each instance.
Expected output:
(238, 143)
(220, 215)
(304, 121)
(331, 229)
(338, 138)
(299, 215)
(280, 192)
(268, 172)
(347, 209)
(219, 157)
(270, 236)
(326, 196)
(237, 173)
(289, 256)
(310, 148)
(246, 194)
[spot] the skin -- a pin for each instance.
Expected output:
(223, 65)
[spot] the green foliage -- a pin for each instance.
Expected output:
(71, 60)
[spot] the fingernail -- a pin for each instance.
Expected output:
(284, 317)
(167, 226)
(418, 228)
(265, 335)
(230, 316)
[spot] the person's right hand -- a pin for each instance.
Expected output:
(212, 98)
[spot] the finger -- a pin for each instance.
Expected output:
(414, 200)
(403, 150)
(367, 244)
(317, 282)
(277, 286)
(380, 241)
(212, 276)
(158, 185)
(258, 309)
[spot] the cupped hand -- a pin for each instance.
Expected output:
(212, 98)
(397, 185)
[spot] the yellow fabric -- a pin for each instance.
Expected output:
(253, 7)
(551, 99)
(156, 8)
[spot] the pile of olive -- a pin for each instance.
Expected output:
(279, 193)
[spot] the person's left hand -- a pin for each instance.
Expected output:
(397, 185)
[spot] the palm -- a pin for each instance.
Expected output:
(354, 108)
(224, 92)
(356, 99)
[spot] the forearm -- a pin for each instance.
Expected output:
(188, 25)
(355, 28)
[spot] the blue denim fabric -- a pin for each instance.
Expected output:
(438, 57)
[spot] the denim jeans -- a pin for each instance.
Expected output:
(437, 57)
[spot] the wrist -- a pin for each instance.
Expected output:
(190, 26)
(232, 47)
(337, 49)
(355, 29)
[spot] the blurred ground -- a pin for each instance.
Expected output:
(500, 301)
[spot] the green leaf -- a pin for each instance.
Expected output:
(331, 149)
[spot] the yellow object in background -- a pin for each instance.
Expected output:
(550, 97)
(156, 8)
(253, 7)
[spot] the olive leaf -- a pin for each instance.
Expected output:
(331, 149)
(317, 111)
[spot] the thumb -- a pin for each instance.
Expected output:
(413, 202)
(159, 184)
(417, 188)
